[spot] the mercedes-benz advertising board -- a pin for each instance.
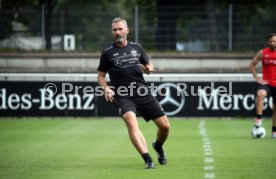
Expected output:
(179, 99)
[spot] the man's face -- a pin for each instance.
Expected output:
(119, 32)
(272, 43)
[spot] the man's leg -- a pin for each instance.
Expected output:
(137, 138)
(274, 122)
(163, 128)
(261, 94)
(163, 131)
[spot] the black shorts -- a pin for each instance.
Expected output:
(147, 106)
(270, 90)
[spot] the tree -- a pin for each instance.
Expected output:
(49, 6)
(167, 16)
(90, 21)
(242, 24)
(215, 43)
(12, 11)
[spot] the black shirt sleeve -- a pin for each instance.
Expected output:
(144, 57)
(103, 65)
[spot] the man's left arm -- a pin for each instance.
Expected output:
(148, 68)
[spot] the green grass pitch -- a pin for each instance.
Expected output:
(100, 148)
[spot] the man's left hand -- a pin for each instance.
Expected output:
(148, 68)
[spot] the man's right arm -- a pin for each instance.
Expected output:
(108, 93)
(252, 67)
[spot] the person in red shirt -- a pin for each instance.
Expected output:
(267, 84)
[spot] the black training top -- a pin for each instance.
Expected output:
(124, 64)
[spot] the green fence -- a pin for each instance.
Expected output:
(174, 28)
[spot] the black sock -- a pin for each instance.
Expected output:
(273, 128)
(146, 157)
(259, 116)
(158, 145)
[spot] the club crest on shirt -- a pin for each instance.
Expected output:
(118, 62)
(133, 52)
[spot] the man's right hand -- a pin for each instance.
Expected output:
(261, 81)
(108, 94)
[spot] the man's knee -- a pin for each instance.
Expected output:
(163, 124)
(130, 120)
(261, 93)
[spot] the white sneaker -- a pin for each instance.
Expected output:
(273, 135)
(258, 123)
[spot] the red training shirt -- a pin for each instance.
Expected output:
(269, 66)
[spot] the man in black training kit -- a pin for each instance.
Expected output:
(125, 62)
